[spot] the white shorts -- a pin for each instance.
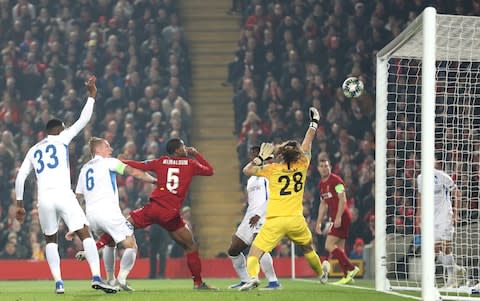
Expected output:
(245, 232)
(113, 223)
(444, 232)
(54, 205)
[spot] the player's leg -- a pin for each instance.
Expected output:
(239, 261)
(91, 254)
(184, 237)
(109, 262)
(253, 268)
(270, 234)
(242, 238)
(138, 218)
(266, 265)
(300, 234)
(49, 224)
(336, 246)
(76, 221)
(127, 262)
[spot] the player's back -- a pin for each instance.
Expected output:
(98, 184)
(174, 175)
(50, 160)
(286, 187)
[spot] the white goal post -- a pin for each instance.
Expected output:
(427, 112)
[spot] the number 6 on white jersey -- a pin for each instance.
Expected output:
(172, 179)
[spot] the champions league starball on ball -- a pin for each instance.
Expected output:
(353, 87)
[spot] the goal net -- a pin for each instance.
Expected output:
(405, 107)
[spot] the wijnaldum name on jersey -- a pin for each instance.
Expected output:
(175, 162)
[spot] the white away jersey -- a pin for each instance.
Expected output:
(49, 158)
(442, 195)
(97, 182)
(257, 192)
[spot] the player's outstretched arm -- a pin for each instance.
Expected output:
(86, 113)
(141, 175)
(312, 128)
(22, 175)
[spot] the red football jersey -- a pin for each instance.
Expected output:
(174, 175)
(329, 195)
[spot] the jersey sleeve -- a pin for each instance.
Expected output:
(23, 172)
(148, 165)
(80, 183)
(201, 166)
(68, 134)
(116, 165)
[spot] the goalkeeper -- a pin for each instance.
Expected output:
(284, 215)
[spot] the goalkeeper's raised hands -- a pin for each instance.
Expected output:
(314, 118)
(266, 153)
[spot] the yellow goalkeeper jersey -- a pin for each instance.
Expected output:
(286, 186)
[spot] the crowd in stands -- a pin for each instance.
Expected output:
(138, 52)
(292, 54)
(295, 54)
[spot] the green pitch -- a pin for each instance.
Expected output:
(181, 290)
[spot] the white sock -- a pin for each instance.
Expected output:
(448, 263)
(266, 263)
(126, 264)
(109, 262)
(240, 265)
(53, 259)
(91, 254)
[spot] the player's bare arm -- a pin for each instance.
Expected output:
(251, 169)
(342, 199)
(254, 220)
(141, 175)
(310, 135)
(322, 210)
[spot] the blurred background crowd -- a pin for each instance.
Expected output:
(296, 54)
(138, 52)
(291, 54)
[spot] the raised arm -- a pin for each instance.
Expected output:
(22, 175)
(86, 113)
(266, 153)
(310, 135)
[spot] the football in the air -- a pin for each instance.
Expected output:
(353, 87)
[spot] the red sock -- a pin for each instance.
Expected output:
(104, 240)
(195, 267)
(343, 260)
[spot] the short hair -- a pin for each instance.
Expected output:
(173, 144)
(94, 142)
(52, 124)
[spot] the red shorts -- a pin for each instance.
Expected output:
(342, 231)
(153, 213)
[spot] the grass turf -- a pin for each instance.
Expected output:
(181, 290)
